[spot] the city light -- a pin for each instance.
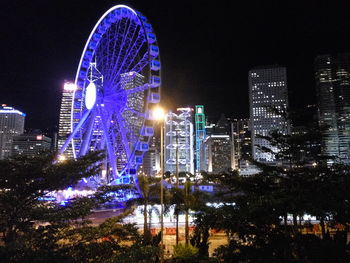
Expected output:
(61, 158)
(69, 86)
(158, 113)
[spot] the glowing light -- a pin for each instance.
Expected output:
(90, 96)
(39, 137)
(68, 86)
(61, 158)
(158, 113)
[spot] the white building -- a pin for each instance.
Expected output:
(11, 124)
(179, 141)
(64, 125)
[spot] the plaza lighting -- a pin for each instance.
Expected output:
(61, 158)
(158, 114)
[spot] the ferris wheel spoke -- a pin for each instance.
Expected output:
(110, 150)
(76, 129)
(123, 46)
(132, 52)
(130, 35)
(131, 56)
(87, 136)
(110, 58)
(142, 63)
(122, 132)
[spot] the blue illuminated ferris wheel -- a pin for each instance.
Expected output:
(117, 84)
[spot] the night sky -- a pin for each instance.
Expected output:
(207, 49)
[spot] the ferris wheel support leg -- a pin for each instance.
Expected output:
(111, 155)
(87, 137)
(81, 122)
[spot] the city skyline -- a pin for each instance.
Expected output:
(201, 61)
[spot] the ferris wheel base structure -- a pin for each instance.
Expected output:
(118, 83)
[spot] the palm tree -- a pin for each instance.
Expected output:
(149, 190)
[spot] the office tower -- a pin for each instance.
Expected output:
(242, 142)
(200, 134)
(217, 147)
(30, 144)
(268, 96)
(11, 124)
(64, 125)
(179, 142)
(217, 152)
(332, 75)
(135, 102)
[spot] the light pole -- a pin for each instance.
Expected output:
(158, 114)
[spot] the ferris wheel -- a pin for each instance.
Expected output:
(117, 85)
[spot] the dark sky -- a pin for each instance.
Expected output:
(207, 48)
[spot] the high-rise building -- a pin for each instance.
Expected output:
(200, 134)
(332, 76)
(217, 149)
(64, 125)
(242, 142)
(268, 96)
(179, 142)
(30, 144)
(11, 124)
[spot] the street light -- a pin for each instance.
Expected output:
(158, 115)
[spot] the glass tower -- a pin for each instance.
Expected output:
(268, 96)
(332, 75)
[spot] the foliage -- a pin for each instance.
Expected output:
(36, 230)
(183, 254)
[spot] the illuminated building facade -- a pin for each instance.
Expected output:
(200, 134)
(217, 148)
(11, 124)
(135, 102)
(30, 144)
(242, 142)
(179, 142)
(134, 107)
(64, 125)
(332, 76)
(268, 94)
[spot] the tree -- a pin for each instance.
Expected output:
(149, 195)
(38, 230)
(25, 182)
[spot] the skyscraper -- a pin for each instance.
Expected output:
(200, 134)
(179, 143)
(217, 149)
(64, 125)
(332, 76)
(268, 95)
(11, 124)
